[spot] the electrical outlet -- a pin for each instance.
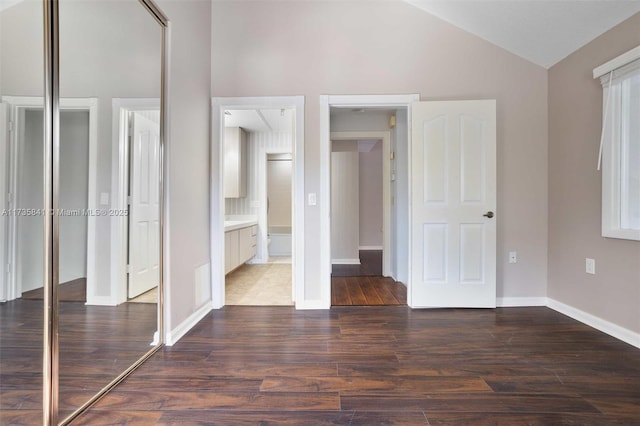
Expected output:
(513, 257)
(312, 199)
(590, 266)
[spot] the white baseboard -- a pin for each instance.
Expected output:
(370, 248)
(345, 261)
(504, 302)
(610, 328)
(176, 334)
(312, 304)
(100, 301)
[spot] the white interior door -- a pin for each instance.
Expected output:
(453, 204)
(144, 210)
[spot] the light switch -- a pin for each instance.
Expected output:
(104, 198)
(312, 199)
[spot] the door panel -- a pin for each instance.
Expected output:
(453, 249)
(144, 221)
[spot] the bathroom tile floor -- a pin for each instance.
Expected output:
(261, 285)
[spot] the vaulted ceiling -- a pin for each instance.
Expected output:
(541, 31)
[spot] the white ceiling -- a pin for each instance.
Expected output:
(263, 120)
(541, 31)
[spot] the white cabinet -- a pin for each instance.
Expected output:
(235, 163)
(239, 247)
(247, 243)
(232, 254)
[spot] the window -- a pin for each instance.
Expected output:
(620, 148)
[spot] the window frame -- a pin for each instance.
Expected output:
(612, 198)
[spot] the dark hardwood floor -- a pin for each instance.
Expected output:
(382, 365)
(364, 285)
(367, 291)
(71, 291)
(96, 344)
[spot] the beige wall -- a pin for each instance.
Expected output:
(345, 206)
(371, 205)
(190, 101)
(319, 47)
(575, 120)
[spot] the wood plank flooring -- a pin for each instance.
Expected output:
(367, 291)
(364, 285)
(382, 365)
(96, 344)
(71, 291)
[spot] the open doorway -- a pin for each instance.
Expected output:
(362, 209)
(22, 224)
(361, 114)
(258, 182)
(248, 132)
(135, 236)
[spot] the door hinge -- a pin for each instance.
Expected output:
(128, 269)
(129, 199)
(12, 126)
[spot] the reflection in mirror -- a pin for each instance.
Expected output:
(21, 203)
(110, 85)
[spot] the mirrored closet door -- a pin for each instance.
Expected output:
(21, 213)
(81, 151)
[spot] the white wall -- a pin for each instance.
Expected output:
(400, 198)
(22, 63)
(381, 47)
(189, 139)
(74, 189)
(371, 207)
(30, 229)
(345, 205)
(21, 74)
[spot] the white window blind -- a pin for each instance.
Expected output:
(620, 146)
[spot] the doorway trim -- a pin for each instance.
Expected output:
(16, 106)
(121, 107)
(218, 106)
(346, 101)
(385, 137)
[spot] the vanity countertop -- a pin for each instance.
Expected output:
(232, 225)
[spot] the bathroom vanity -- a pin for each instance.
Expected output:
(239, 242)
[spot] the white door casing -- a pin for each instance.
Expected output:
(453, 187)
(4, 167)
(16, 106)
(144, 212)
(219, 105)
